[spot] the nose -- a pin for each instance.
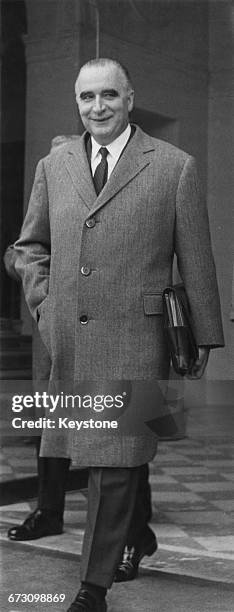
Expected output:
(99, 105)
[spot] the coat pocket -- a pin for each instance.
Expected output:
(153, 304)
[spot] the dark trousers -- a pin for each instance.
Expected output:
(142, 512)
(52, 477)
(111, 501)
(119, 508)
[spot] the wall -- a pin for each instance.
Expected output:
(220, 168)
(165, 45)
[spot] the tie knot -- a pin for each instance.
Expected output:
(104, 152)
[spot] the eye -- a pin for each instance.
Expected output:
(110, 95)
(86, 97)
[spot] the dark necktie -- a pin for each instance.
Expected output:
(101, 172)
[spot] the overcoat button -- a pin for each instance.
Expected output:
(85, 270)
(83, 319)
(90, 222)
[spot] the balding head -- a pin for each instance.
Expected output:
(106, 61)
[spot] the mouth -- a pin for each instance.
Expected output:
(100, 120)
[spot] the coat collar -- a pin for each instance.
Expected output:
(133, 159)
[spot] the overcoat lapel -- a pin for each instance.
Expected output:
(78, 167)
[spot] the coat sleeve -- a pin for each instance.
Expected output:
(33, 246)
(195, 259)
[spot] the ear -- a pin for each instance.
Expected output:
(130, 100)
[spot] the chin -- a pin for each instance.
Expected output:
(103, 135)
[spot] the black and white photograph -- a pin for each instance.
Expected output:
(117, 306)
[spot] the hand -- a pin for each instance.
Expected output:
(200, 364)
(9, 259)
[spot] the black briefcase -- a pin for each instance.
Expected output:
(177, 322)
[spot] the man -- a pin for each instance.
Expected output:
(105, 218)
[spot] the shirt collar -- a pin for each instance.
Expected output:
(115, 148)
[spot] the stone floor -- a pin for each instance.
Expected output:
(192, 483)
(53, 577)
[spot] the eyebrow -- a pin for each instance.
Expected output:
(113, 92)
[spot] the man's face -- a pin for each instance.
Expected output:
(104, 101)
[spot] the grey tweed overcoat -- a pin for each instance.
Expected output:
(108, 258)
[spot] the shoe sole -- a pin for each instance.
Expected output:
(36, 537)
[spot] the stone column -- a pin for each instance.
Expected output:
(12, 145)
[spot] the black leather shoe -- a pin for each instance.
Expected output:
(38, 524)
(85, 602)
(128, 567)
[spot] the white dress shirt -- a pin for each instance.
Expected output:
(115, 149)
